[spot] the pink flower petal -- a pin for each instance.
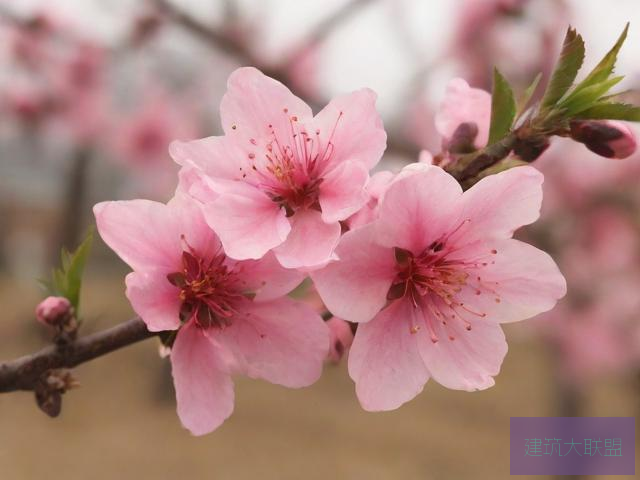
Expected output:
(418, 209)
(204, 390)
(342, 191)
(194, 232)
(384, 360)
(282, 341)
(255, 105)
(376, 186)
(143, 233)
(355, 128)
(195, 184)
(379, 182)
(267, 278)
(499, 204)
(468, 362)
(310, 243)
(463, 104)
(355, 287)
(154, 299)
(248, 223)
(425, 157)
(212, 155)
(519, 281)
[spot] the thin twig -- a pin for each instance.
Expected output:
(223, 42)
(325, 28)
(24, 373)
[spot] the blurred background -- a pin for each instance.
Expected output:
(93, 91)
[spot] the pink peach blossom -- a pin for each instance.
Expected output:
(591, 340)
(378, 185)
(84, 70)
(29, 104)
(285, 179)
(375, 188)
(564, 189)
(78, 82)
(493, 32)
(142, 138)
(230, 316)
(29, 41)
(431, 279)
(417, 124)
(463, 105)
(303, 71)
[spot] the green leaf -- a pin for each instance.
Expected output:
(503, 108)
(587, 97)
(66, 281)
(570, 61)
(612, 111)
(604, 69)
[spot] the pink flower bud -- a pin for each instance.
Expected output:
(53, 311)
(608, 138)
(341, 338)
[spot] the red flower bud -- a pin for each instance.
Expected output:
(609, 138)
(54, 311)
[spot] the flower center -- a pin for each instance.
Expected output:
(434, 282)
(427, 273)
(290, 169)
(208, 290)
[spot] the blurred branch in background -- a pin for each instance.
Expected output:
(236, 48)
(324, 29)
(74, 202)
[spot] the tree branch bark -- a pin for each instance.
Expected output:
(25, 372)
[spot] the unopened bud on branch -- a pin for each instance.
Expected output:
(608, 138)
(54, 311)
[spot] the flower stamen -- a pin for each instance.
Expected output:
(209, 289)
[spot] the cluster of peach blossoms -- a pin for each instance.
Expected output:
(426, 271)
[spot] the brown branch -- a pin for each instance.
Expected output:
(223, 42)
(470, 165)
(26, 372)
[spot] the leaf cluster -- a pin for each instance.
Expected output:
(66, 280)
